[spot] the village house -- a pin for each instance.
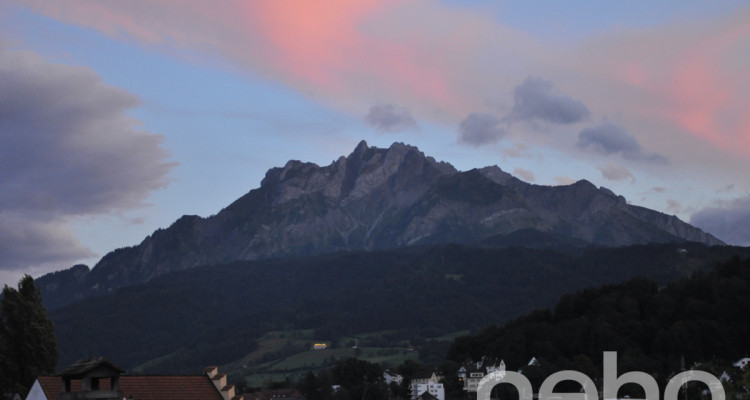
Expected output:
(99, 379)
(426, 396)
(428, 382)
(471, 372)
(742, 363)
(390, 376)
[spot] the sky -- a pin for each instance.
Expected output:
(118, 117)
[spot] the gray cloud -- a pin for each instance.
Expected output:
(389, 118)
(479, 129)
(608, 138)
(25, 242)
(524, 174)
(69, 149)
(726, 189)
(534, 99)
(673, 206)
(615, 173)
(517, 151)
(729, 221)
(564, 180)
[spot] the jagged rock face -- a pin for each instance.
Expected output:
(380, 198)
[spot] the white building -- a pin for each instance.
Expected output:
(435, 389)
(472, 372)
(429, 383)
(391, 376)
(742, 363)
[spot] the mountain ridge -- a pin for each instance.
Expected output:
(375, 198)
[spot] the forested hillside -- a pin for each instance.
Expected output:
(702, 319)
(214, 314)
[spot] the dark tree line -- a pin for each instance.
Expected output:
(354, 379)
(28, 347)
(700, 319)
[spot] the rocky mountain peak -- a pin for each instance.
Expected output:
(361, 148)
(371, 168)
(495, 174)
(391, 159)
(379, 198)
(584, 185)
(353, 177)
(602, 198)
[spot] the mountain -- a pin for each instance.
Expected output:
(373, 199)
(184, 320)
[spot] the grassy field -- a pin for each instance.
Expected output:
(285, 355)
(297, 365)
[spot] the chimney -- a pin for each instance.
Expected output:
(227, 392)
(220, 382)
(211, 371)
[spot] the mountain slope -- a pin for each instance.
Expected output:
(373, 199)
(212, 314)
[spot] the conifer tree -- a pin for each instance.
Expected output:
(28, 347)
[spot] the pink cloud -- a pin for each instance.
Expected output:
(344, 52)
(692, 77)
(327, 47)
(700, 89)
(309, 40)
(444, 63)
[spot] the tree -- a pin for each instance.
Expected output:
(357, 376)
(28, 347)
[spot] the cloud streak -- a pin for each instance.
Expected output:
(349, 54)
(69, 149)
(450, 61)
(685, 78)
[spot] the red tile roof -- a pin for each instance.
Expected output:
(151, 387)
(81, 367)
